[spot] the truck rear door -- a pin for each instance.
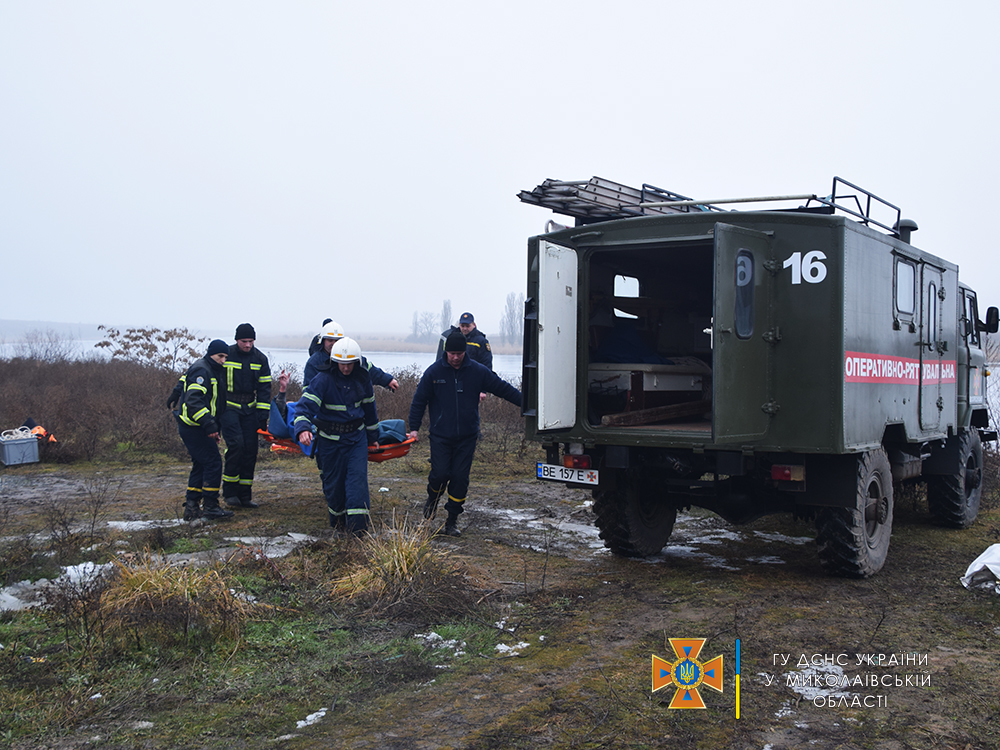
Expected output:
(741, 353)
(557, 312)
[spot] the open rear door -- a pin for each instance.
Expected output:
(558, 301)
(741, 353)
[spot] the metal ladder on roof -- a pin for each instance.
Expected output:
(598, 199)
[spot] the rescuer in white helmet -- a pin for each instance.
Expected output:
(337, 412)
(320, 359)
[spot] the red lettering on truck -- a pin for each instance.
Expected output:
(882, 368)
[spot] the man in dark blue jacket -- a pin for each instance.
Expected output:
(450, 388)
(476, 341)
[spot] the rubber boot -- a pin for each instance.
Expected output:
(431, 506)
(338, 523)
(192, 509)
(240, 502)
(212, 512)
(246, 500)
(451, 525)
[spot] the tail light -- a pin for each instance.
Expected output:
(788, 473)
(576, 462)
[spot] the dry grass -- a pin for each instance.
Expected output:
(150, 599)
(401, 573)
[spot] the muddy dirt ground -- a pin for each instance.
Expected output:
(907, 659)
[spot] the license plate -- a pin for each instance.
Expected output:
(562, 474)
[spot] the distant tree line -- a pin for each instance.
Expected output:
(427, 327)
(512, 321)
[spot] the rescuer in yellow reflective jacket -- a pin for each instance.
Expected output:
(201, 404)
(248, 404)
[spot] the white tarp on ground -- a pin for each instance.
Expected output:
(984, 570)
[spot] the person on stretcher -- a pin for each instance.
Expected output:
(283, 415)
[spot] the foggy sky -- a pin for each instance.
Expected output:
(202, 164)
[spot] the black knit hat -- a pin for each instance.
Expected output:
(218, 346)
(245, 331)
(455, 342)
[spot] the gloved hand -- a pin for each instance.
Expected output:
(172, 402)
(262, 422)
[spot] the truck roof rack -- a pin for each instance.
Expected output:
(597, 199)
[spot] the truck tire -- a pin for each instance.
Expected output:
(854, 542)
(634, 519)
(954, 498)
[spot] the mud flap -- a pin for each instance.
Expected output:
(831, 481)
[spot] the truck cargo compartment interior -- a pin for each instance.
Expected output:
(649, 336)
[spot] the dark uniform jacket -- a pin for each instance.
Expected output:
(204, 395)
(338, 405)
(316, 344)
(248, 381)
(476, 346)
(320, 362)
(453, 397)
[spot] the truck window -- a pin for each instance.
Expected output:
(971, 315)
(906, 276)
(626, 286)
(744, 294)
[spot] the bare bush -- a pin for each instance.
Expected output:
(62, 526)
(19, 558)
(169, 349)
(74, 604)
(991, 477)
(94, 408)
(45, 346)
(501, 430)
(102, 490)
(992, 347)
(396, 405)
(991, 451)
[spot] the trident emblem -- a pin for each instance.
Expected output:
(687, 673)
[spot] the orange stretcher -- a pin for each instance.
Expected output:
(376, 455)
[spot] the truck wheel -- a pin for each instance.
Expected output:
(635, 520)
(854, 541)
(954, 498)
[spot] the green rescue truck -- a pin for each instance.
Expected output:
(800, 359)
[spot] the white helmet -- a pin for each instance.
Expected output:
(345, 350)
(332, 330)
